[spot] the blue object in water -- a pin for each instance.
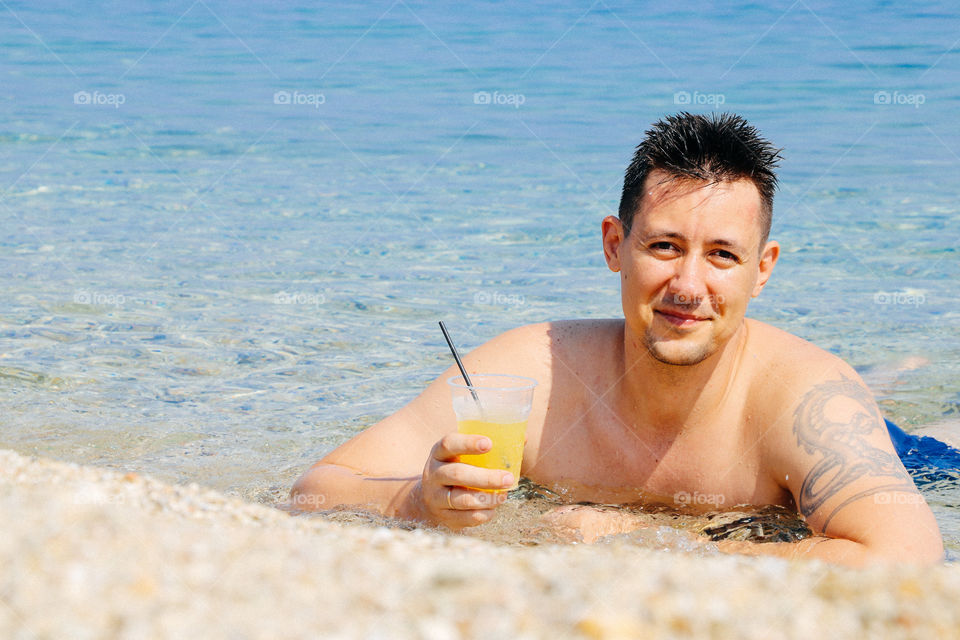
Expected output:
(927, 459)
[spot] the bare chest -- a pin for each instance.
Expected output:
(715, 463)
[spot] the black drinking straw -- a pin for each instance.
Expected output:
(456, 356)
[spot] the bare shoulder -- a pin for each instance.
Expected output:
(793, 384)
(825, 441)
(561, 331)
(535, 348)
(520, 351)
(787, 347)
(784, 365)
(570, 359)
(575, 336)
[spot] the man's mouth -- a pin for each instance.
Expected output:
(680, 318)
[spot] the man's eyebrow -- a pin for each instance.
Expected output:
(664, 234)
(722, 242)
(727, 243)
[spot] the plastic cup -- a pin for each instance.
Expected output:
(496, 406)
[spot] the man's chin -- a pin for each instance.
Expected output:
(677, 355)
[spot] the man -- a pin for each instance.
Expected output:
(684, 396)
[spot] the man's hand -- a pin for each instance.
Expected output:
(452, 491)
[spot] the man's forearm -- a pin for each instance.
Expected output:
(833, 550)
(326, 486)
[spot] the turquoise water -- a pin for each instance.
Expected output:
(229, 229)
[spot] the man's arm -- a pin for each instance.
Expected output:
(833, 550)
(406, 465)
(835, 456)
(837, 460)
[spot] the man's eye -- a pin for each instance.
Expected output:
(661, 246)
(727, 256)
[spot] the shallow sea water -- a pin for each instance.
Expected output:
(229, 230)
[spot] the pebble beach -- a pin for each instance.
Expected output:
(230, 229)
(94, 553)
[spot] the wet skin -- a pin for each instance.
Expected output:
(684, 396)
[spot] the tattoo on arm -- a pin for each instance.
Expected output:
(845, 454)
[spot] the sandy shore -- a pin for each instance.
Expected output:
(89, 553)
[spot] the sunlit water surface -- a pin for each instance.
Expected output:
(208, 284)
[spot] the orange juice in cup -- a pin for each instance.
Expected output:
(496, 406)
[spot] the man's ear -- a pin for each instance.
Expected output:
(767, 260)
(613, 237)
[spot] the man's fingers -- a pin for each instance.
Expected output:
(458, 520)
(462, 495)
(455, 444)
(459, 474)
(469, 500)
(466, 508)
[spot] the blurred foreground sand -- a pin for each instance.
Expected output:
(89, 553)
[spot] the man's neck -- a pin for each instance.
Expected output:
(668, 399)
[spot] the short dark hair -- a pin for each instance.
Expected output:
(714, 148)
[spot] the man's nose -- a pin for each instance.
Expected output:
(687, 285)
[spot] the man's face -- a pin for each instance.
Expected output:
(690, 265)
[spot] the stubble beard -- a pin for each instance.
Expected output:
(659, 350)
